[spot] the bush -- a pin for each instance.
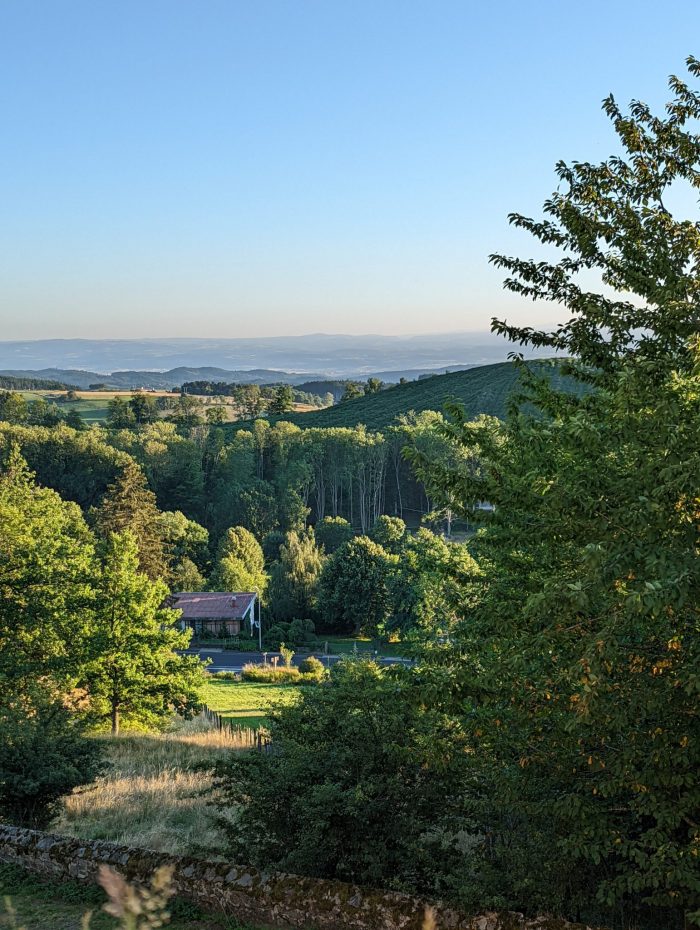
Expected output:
(224, 676)
(312, 667)
(44, 755)
(296, 633)
(269, 674)
(301, 633)
(365, 749)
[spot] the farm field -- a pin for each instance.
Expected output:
(246, 703)
(93, 406)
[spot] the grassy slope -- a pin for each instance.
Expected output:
(246, 703)
(150, 796)
(91, 410)
(481, 390)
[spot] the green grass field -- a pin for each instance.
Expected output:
(91, 410)
(246, 703)
(485, 389)
(349, 645)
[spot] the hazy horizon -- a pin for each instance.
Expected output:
(314, 353)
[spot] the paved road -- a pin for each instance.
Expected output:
(227, 660)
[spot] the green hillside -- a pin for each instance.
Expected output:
(481, 390)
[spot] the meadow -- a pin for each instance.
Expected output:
(151, 796)
(93, 406)
(246, 703)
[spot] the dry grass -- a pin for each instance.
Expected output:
(151, 797)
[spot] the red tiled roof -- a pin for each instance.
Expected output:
(213, 605)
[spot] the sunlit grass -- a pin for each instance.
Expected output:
(151, 796)
(246, 703)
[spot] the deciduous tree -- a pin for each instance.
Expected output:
(294, 578)
(241, 563)
(46, 553)
(579, 662)
(354, 588)
(134, 672)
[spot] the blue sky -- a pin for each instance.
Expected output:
(219, 168)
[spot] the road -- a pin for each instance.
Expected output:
(227, 660)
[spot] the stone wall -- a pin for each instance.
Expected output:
(265, 899)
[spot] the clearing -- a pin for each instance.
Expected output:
(151, 796)
(246, 703)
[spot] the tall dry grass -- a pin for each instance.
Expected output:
(151, 796)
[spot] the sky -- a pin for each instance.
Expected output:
(225, 168)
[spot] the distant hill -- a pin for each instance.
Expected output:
(158, 380)
(175, 377)
(412, 374)
(10, 383)
(325, 354)
(481, 390)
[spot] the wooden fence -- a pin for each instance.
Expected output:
(243, 737)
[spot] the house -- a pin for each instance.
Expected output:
(217, 613)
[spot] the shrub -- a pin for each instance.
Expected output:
(301, 633)
(287, 655)
(44, 755)
(363, 749)
(296, 633)
(224, 676)
(269, 674)
(312, 667)
(276, 634)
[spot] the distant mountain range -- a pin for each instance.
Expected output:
(275, 358)
(167, 380)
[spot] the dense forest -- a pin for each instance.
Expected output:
(29, 383)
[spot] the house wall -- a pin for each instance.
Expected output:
(214, 626)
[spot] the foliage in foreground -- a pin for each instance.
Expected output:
(44, 755)
(363, 785)
(580, 664)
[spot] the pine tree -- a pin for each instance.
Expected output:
(283, 401)
(129, 504)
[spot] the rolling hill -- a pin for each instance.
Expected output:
(481, 390)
